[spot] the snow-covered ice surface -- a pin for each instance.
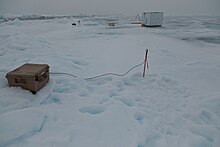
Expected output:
(176, 104)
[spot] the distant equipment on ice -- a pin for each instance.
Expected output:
(137, 20)
(112, 22)
(78, 23)
(152, 19)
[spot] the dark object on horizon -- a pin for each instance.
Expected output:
(111, 24)
(29, 76)
(78, 22)
(73, 24)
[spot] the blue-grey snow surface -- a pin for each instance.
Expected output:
(177, 103)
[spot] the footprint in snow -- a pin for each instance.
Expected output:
(167, 53)
(52, 98)
(92, 109)
(79, 62)
(193, 63)
(205, 136)
(139, 117)
(128, 101)
(207, 117)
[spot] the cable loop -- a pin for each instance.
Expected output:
(98, 76)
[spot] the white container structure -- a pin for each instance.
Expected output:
(152, 19)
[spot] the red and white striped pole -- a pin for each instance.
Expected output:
(145, 62)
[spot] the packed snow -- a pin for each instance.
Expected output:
(177, 103)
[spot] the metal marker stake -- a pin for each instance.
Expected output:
(145, 61)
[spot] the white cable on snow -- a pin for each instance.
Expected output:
(102, 75)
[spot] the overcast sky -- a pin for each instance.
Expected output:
(63, 7)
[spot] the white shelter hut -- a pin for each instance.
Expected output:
(152, 19)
